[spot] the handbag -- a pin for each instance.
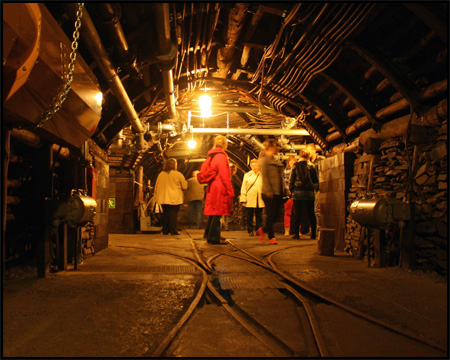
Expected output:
(157, 208)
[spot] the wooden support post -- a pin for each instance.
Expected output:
(43, 248)
(373, 162)
(379, 246)
(364, 231)
(407, 245)
(77, 247)
(325, 245)
(43, 179)
(62, 260)
(5, 164)
(139, 181)
(362, 245)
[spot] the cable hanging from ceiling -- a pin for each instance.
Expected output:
(317, 45)
(197, 29)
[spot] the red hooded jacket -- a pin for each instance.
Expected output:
(220, 192)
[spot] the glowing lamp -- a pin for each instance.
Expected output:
(204, 102)
(206, 113)
(191, 144)
(99, 98)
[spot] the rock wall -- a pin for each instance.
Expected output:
(420, 174)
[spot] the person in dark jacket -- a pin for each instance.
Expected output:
(194, 196)
(302, 183)
(272, 187)
(219, 192)
(315, 159)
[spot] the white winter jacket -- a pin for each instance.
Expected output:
(169, 188)
(251, 194)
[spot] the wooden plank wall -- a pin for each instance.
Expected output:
(101, 217)
(100, 161)
(121, 219)
(334, 182)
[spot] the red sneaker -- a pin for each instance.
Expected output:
(260, 233)
(273, 241)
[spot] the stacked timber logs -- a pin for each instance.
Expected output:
(359, 187)
(88, 239)
(431, 196)
(391, 172)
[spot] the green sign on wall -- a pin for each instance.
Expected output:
(111, 203)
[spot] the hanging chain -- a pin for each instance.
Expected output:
(59, 99)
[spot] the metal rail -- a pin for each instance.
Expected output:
(272, 343)
(269, 340)
(319, 295)
(320, 342)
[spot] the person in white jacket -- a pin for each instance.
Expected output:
(251, 197)
(169, 194)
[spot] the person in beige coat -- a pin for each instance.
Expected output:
(251, 197)
(194, 196)
(169, 194)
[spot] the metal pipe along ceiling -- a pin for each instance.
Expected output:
(112, 25)
(298, 132)
(95, 46)
(162, 21)
(237, 131)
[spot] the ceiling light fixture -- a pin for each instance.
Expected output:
(192, 144)
(204, 102)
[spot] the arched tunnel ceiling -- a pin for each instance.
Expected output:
(334, 69)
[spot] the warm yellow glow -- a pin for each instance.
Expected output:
(204, 102)
(206, 113)
(99, 98)
(192, 144)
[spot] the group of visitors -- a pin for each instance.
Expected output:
(172, 189)
(263, 187)
(297, 184)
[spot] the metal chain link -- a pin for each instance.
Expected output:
(59, 99)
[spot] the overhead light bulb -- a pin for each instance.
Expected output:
(192, 144)
(99, 98)
(206, 113)
(204, 102)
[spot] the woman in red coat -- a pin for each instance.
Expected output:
(219, 192)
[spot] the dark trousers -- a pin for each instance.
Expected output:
(169, 218)
(258, 218)
(293, 224)
(273, 206)
(212, 229)
(195, 207)
(298, 204)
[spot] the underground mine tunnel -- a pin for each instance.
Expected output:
(98, 96)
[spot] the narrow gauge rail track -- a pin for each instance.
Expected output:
(272, 342)
(270, 265)
(293, 285)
